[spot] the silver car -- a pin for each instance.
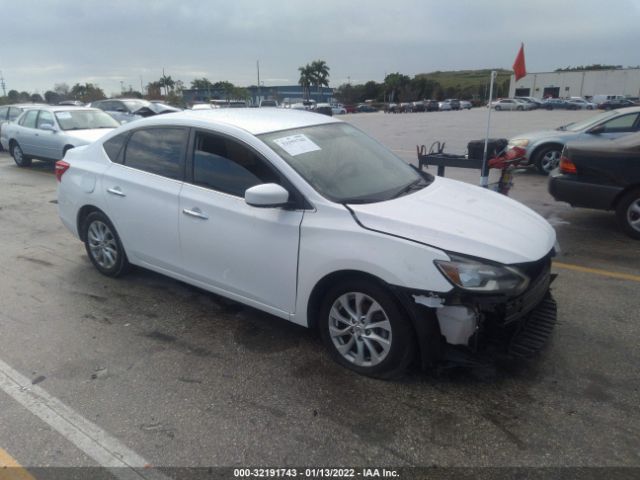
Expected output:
(9, 114)
(543, 148)
(511, 104)
(46, 133)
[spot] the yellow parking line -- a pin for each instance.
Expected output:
(12, 470)
(597, 271)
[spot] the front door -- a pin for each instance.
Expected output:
(245, 252)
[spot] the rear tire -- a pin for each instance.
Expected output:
(498, 108)
(19, 157)
(365, 329)
(103, 245)
(628, 213)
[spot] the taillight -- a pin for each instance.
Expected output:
(61, 167)
(567, 166)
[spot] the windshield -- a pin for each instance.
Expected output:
(343, 164)
(589, 122)
(85, 119)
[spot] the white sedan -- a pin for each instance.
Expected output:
(305, 217)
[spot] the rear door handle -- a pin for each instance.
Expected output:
(195, 212)
(116, 191)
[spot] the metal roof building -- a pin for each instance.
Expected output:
(624, 81)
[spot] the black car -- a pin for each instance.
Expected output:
(363, 107)
(619, 103)
(604, 175)
(431, 105)
(559, 104)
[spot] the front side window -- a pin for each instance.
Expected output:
(345, 165)
(157, 150)
(623, 123)
(3, 113)
(227, 166)
(29, 119)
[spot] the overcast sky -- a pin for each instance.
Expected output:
(111, 41)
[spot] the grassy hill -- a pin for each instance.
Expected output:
(473, 82)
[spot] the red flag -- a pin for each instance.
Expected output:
(518, 66)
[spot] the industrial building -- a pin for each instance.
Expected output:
(588, 83)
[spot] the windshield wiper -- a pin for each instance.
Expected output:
(418, 184)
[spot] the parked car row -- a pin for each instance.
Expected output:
(428, 106)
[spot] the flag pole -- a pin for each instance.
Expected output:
(484, 175)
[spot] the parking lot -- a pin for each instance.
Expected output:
(173, 376)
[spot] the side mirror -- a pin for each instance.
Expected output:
(266, 195)
(598, 129)
(48, 127)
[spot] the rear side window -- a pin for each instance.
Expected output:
(157, 150)
(29, 120)
(113, 147)
(14, 113)
(3, 113)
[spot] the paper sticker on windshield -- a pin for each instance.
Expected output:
(296, 144)
(63, 115)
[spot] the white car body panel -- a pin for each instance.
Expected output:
(461, 218)
(248, 251)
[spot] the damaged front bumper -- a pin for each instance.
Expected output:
(476, 328)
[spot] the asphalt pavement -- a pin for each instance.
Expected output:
(147, 371)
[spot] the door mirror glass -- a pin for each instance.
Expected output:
(266, 195)
(48, 127)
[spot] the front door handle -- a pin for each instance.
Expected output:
(195, 212)
(116, 191)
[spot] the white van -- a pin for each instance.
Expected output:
(598, 99)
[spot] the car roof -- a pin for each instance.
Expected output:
(59, 108)
(253, 120)
(24, 105)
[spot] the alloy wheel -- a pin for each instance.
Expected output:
(633, 215)
(102, 244)
(360, 329)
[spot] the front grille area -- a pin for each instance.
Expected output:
(535, 330)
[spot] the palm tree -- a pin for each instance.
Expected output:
(306, 79)
(320, 73)
(167, 82)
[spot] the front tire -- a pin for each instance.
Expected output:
(498, 108)
(365, 329)
(19, 157)
(103, 245)
(548, 158)
(628, 214)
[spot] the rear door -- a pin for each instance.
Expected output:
(25, 133)
(242, 251)
(142, 193)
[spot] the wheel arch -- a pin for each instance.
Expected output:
(83, 213)
(622, 194)
(324, 284)
(538, 148)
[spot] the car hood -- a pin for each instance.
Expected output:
(89, 135)
(462, 218)
(547, 135)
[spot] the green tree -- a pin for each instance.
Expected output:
(52, 98)
(167, 82)
(201, 84)
(393, 83)
(13, 96)
(305, 80)
(87, 92)
(36, 98)
(319, 74)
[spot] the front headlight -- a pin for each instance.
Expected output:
(483, 277)
(519, 142)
